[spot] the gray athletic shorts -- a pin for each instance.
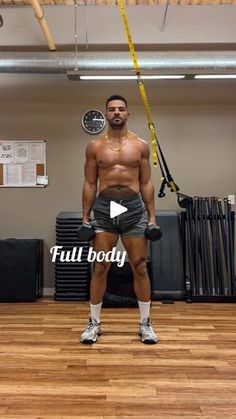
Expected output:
(131, 223)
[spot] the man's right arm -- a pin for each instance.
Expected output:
(90, 182)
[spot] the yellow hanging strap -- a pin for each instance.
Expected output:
(140, 83)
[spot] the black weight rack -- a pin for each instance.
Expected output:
(208, 243)
(71, 278)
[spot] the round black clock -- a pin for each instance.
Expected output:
(93, 121)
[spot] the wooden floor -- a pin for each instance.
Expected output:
(45, 372)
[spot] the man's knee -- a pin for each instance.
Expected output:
(139, 266)
(101, 268)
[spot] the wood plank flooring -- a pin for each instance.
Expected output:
(46, 373)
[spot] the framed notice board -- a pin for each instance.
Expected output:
(23, 163)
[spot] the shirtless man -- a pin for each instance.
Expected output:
(119, 162)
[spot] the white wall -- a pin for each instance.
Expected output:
(102, 25)
(196, 126)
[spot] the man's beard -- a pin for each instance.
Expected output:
(118, 124)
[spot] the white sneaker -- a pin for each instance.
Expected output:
(92, 332)
(147, 333)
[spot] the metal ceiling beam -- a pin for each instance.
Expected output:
(95, 62)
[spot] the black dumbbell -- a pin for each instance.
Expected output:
(85, 232)
(153, 232)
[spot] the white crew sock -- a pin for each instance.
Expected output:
(144, 308)
(95, 310)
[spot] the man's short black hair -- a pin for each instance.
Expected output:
(116, 97)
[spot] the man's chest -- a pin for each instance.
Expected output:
(128, 156)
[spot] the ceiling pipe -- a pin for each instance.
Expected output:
(44, 26)
(94, 62)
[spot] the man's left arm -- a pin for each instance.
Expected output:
(146, 185)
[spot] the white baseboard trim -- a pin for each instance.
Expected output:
(48, 291)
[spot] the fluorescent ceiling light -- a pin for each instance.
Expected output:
(215, 76)
(150, 77)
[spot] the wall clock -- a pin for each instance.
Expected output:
(93, 121)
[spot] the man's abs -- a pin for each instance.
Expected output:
(119, 182)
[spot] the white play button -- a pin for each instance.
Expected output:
(116, 209)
